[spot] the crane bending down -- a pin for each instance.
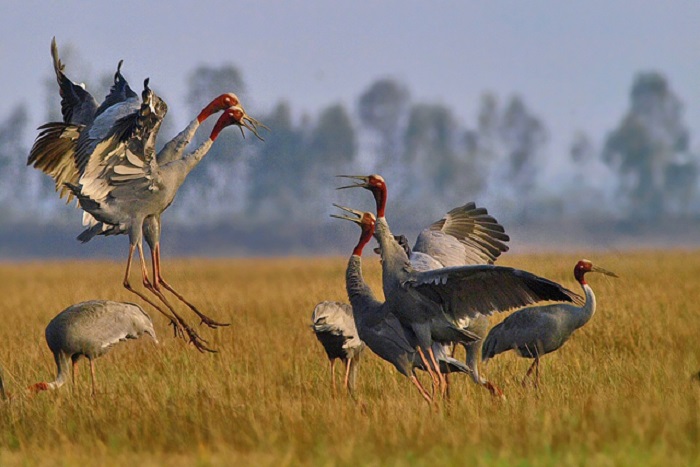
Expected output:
(378, 327)
(536, 331)
(105, 156)
(90, 329)
(334, 326)
(433, 302)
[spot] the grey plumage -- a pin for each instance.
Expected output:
(379, 328)
(449, 295)
(334, 326)
(105, 157)
(90, 329)
(535, 331)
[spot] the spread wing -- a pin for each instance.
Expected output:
(77, 105)
(119, 92)
(466, 235)
(467, 291)
(123, 164)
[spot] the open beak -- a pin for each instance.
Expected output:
(354, 212)
(252, 124)
(603, 271)
(363, 178)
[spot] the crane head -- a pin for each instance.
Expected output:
(584, 266)
(222, 102)
(236, 115)
(374, 183)
(366, 221)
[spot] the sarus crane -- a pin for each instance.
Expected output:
(105, 156)
(90, 329)
(334, 326)
(433, 302)
(536, 331)
(377, 326)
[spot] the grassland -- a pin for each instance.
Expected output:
(619, 392)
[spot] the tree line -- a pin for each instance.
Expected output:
(642, 169)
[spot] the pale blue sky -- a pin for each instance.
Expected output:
(573, 62)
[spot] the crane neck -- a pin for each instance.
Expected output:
(380, 197)
(393, 255)
(175, 148)
(361, 296)
(365, 237)
(587, 311)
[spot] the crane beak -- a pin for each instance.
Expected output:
(252, 124)
(363, 178)
(603, 271)
(354, 212)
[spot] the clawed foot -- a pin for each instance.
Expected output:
(210, 322)
(199, 342)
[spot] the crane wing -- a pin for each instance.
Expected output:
(123, 165)
(77, 105)
(466, 235)
(467, 291)
(119, 92)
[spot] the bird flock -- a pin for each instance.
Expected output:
(439, 294)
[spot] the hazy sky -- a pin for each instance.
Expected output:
(573, 62)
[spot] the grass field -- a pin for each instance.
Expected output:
(618, 393)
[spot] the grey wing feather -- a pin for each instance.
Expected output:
(526, 328)
(466, 235)
(119, 92)
(467, 291)
(77, 105)
(337, 319)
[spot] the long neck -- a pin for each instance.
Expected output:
(380, 199)
(62, 364)
(184, 166)
(361, 297)
(175, 148)
(393, 255)
(584, 313)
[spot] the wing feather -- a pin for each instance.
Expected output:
(466, 291)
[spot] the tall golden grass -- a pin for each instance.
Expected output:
(620, 392)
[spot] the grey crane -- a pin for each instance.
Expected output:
(334, 326)
(105, 156)
(90, 329)
(378, 327)
(535, 331)
(457, 240)
(433, 302)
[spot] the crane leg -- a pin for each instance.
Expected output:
(346, 382)
(494, 390)
(422, 390)
(158, 281)
(92, 376)
(176, 321)
(429, 369)
(441, 377)
(537, 372)
(529, 370)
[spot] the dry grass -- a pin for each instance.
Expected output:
(619, 393)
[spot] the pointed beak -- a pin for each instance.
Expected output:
(363, 178)
(354, 212)
(603, 271)
(252, 124)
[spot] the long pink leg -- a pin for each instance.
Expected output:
(429, 369)
(443, 383)
(529, 371)
(158, 280)
(422, 390)
(346, 382)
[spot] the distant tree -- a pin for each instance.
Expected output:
(382, 108)
(648, 145)
(430, 151)
(275, 171)
(333, 140)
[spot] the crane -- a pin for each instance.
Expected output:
(334, 326)
(377, 326)
(90, 329)
(433, 302)
(105, 157)
(535, 331)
